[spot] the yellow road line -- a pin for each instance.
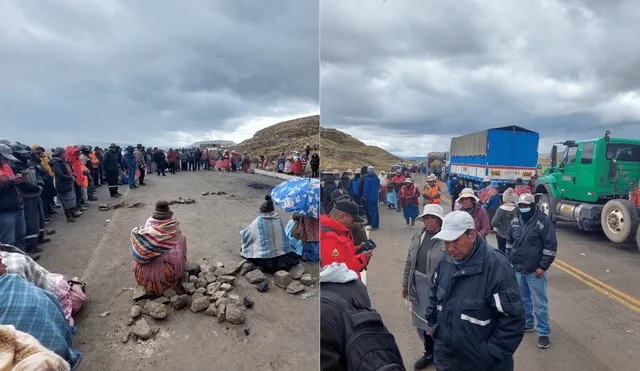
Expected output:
(601, 290)
(594, 280)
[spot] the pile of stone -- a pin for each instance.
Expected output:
(219, 193)
(105, 207)
(295, 280)
(182, 201)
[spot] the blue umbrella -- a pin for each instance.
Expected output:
(301, 196)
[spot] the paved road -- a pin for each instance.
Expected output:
(283, 329)
(593, 292)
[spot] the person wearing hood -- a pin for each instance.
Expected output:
(469, 203)
(314, 162)
(112, 169)
(370, 195)
(475, 311)
(64, 184)
(49, 191)
(73, 157)
(502, 219)
(424, 256)
(531, 247)
(85, 151)
(12, 221)
(130, 163)
(140, 163)
(341, 292)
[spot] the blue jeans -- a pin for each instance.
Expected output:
(372, 210)
(132, 177)
(534, 295)
(13, 228)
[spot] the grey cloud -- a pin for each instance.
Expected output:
(450, 68)
(144, 68)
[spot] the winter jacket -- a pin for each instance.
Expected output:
(337, 245)
(129, 161)
(502, 220)
(476, 312)
(63, 175)
(451, 185)
(532, 245)
(354, 187)
(409, 196)
(435, 254)
(111, 162)
(33, 186)
(139, 158)
(330, 183)
(315, 161)
(158, 158)
(481, 219)
(371, 187)
(10, 194)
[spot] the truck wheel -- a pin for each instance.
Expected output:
(619, 221)
(545, 205)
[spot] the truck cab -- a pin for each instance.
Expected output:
(591, 184)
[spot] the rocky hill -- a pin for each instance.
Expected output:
(342, 151)
(283, 137)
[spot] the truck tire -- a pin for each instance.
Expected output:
(545, 205)
(619, 221)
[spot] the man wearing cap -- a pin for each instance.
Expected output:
(336, 241)
(424, 255)
(112, 169)
(370, 196)
(431, 192)
(329, 183)
(357, 231)
(475, 312)
(531, 248)
(469, 203)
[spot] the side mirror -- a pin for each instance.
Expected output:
(554, 156)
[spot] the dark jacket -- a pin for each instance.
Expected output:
(330, 183)
(476, 312)
(63, 177)
(158, 157)
(315, 161)
(10, 197)
(129, 161)
(111, 162)
(532, 245)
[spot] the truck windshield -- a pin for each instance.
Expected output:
(625, 152)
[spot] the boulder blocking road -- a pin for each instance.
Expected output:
(593, 300)
(280, 332)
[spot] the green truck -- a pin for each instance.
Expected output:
(595, 186)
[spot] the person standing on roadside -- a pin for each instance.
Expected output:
(336, 240)
(475, 311)
(371, 195)
(502, 220)
(531, 247)
(470, 204)
(424, 255)
(112, 169)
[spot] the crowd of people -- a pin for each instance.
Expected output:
(471, 303)
(296, 164)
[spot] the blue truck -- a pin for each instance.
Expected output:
(504, 154)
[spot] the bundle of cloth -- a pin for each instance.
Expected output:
(20, 351)
(159, 251)
(265, 243)
(304, 236)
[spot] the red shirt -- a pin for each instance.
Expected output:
(336, 246)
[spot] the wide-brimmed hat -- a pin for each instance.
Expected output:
(431, 178)
(408, 180)
(349, 171)
(5, 151)
(467, 193)
(432, 209)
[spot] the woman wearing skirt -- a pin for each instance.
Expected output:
(409, 196)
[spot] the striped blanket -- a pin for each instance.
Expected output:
(265, 238)
(156, 238)
(38, 313)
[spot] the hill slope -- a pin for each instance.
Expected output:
(342, 151)
(283, 137)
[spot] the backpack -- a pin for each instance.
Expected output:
(368, 345)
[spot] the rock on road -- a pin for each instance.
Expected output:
(283, 329)
(591, 331)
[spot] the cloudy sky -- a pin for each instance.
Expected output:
(408, 77)
(154, 71)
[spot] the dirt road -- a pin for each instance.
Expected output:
(593, 295)
(282, 328)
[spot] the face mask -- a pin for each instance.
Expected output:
(524, 210)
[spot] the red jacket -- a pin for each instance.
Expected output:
(337, 245)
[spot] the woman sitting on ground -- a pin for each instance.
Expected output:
(272, 254)
(304, 235)
(159, 251)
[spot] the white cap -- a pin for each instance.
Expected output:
(487, 179)
(454, 225)
(432, 209)
(408, 180)
(526, 198)
(370, 167)
(431, 178)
